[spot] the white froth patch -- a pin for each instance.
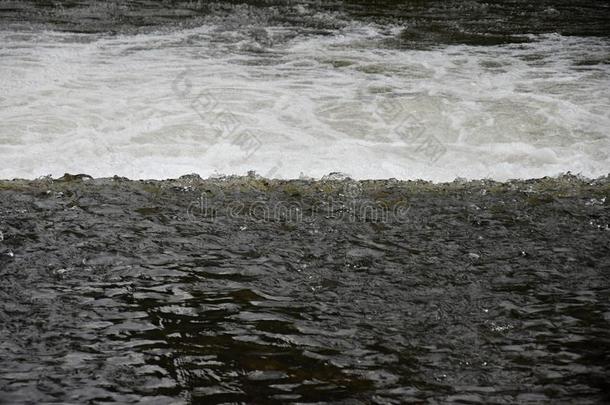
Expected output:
(164, 104)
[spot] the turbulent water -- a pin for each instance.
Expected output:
(431, 90)
(259, 290)
(256, 292)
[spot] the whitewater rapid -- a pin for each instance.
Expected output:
(216, 101)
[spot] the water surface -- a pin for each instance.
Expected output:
(415, 89)
(249, 291)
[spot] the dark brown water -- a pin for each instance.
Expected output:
(249, 291)
(432, 22)
(244, 290)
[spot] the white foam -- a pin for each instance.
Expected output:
(151, 105)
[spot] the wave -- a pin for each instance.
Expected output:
(287, 102)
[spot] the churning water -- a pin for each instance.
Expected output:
(405, 90)
(250, 290)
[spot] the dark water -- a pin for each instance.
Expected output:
(250, 291)
(245, 290)
(429, 22)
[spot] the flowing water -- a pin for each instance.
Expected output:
(256, 291)
(409, 90)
